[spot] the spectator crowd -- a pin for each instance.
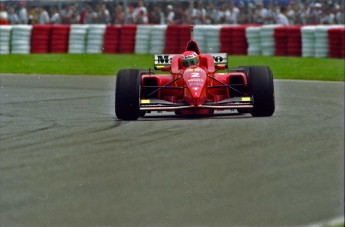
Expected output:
(178, 12)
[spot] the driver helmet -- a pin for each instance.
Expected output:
(189, 58)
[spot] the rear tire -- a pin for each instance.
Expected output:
(127, 94)
(261, 88)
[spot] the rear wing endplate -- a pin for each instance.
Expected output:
(165, 59)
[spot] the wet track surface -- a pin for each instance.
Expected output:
(66, 161)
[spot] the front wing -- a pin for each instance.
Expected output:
(162, 105)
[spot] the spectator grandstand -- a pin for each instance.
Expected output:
(287, 12)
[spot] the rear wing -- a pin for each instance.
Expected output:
(161, 60)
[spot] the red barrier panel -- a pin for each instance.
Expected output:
(184, 38)
(239, 41)
(336, 42)
(176, 38)
(294, 40)
(127, 38)
(172, 39)
(233, 40)
(226, 34)
(40, 37)
(112, 39)
(343, 43)
(280, 41)
(59, 39)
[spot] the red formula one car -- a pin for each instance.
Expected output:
(197, 84)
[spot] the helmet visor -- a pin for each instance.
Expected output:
(189, 62)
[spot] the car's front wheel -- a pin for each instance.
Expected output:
(127, 94)
(261, 88)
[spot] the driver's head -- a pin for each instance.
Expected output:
(189, 58)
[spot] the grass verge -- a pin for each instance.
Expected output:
(108, 64)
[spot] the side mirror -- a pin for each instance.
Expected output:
(221, 67)
(163, 67)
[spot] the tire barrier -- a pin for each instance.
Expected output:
(172, 39)
(336, 42)
(142, 39)
(226, 39)
(321, 41)
(184, 37)
(307, 41)
(208, 38)
(21, 39)
(157, 39)
(294, 47)
(267, 42)
(343, 43)
(176, 38)
(127, 39)
(280, 39)
(59, 39)
(95, 39)
(253, 39)
(111, 39)
(200, 37)
(212, 38)
(233, 40)
(77, 39)
(40, 38)
(239, 43)
(5, 38)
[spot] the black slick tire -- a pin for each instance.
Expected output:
(261, 88)
(127, 94)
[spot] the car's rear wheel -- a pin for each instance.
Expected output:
(261, 88)
(127, 94)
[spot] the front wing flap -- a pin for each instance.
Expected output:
(162, 105)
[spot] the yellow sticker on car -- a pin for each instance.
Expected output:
(245, 99)
(145, 101)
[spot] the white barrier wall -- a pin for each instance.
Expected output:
(321, 41)
(208, 38)
(142, 39)
(267, 43)
(212, 38)
(200, 37)
(308, 41)
(5, 38)
(21, 39)
(77, 39)
(157, 39)
(95, 38)
(315, 40)
(151, 39)
(253, 39)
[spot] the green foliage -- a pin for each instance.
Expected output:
(110, 64)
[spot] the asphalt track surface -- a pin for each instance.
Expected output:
(65, 160)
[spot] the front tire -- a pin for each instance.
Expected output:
(261, 88)
(127, 94)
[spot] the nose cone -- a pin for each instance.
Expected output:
(195, 92)
(195, 81)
